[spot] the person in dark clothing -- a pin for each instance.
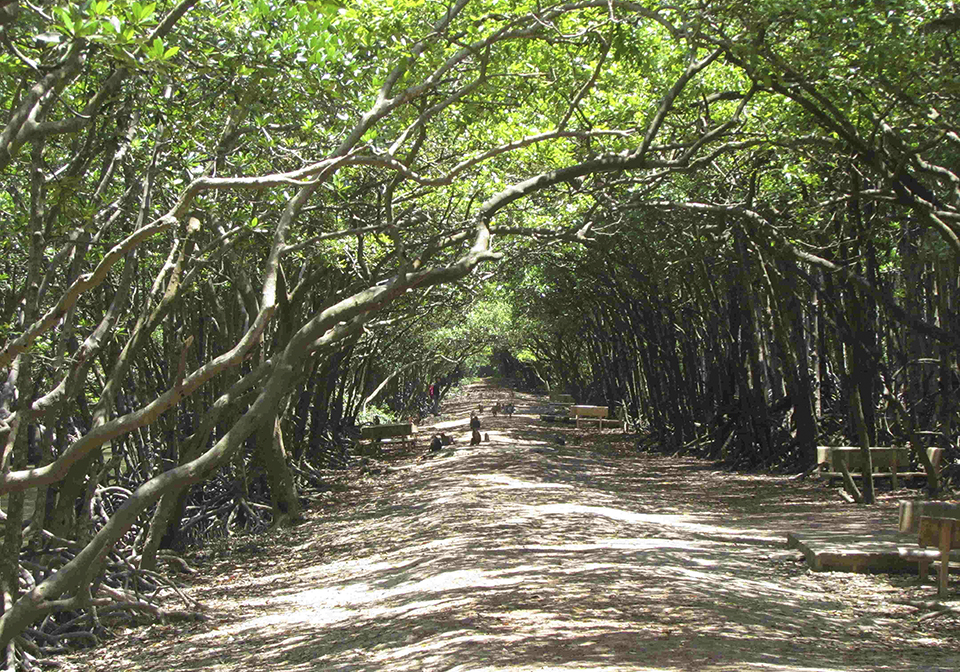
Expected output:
(474, 422)
(436, 444)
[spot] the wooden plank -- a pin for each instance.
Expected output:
(590, 411)
(876, 474)
(948, 527)
(612, 422)
(583, 413)
(911, 510)
(883, 457)
(944, 535)
(931, 528)
(385, 431)
(829, 550)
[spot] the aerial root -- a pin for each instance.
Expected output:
(22, 654)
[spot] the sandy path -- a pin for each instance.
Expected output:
(524, 554)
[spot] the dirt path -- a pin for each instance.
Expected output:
(524, 554)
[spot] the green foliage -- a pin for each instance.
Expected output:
(487, 325)
(373, 413)
(660, 263)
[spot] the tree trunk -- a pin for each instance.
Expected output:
(789, 325)
(863, 437)
(164, 528)
(273, 458)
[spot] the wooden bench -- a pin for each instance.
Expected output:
(909, 512)
(596, 414)
(379, 436)
(558, 408)
(890, 459)
(943, 534)
(560, 404)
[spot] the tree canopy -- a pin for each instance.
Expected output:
(233, 227)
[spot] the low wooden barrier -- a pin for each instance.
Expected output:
(910, 511)
(379, 436)
(886, 461)
(596, 414)
(943, 534)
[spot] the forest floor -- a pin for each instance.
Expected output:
(524, 554)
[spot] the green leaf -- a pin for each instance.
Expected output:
(156, 48)
(87, 28)
(142, 13)
(67, 22)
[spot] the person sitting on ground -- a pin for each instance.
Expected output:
(445, 440)
(509, 410)
(436, 444)
(495, 409)
(474, 422)
(475, 438)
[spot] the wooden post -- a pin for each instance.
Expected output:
(925, 563)
(893, 471)
(946, 535)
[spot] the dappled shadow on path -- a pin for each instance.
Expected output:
(526, 554)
